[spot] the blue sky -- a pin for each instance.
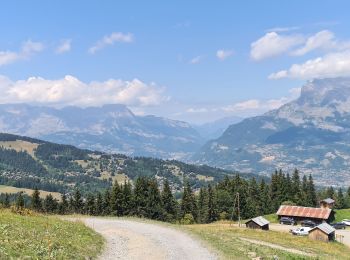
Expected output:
(189, 60)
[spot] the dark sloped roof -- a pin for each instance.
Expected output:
(326, 228)
(260, 221)
(296, 211)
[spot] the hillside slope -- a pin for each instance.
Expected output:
(29, 163)
(311, 133)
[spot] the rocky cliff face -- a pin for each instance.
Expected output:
(311, 133)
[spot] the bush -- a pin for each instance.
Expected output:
(188, 219)
(223, 215)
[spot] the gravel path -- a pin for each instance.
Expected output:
(129, 239)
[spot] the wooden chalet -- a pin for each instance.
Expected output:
(318, 215)
(323, 232)
(258, 223)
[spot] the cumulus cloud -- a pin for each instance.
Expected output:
(71, 91)
(111, 40)
(331, 65)
(273, 44)
(64, 46)
(321, 40)
(283, 29)
(224, 54)
(28, 49)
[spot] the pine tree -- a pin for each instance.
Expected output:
(330, 193)
(7, 200)
(212, 205)
(78, 203)
(36, 200)
(116, 198)
(296, 191)
(311, 193)
(90, 205)
(106, 202)
(169, 203)
(20, 200)
(63, 205)
(127, 199)
(303, 193)
(340, 200)
(140, 197)
(154, 201)
(99, 204)
(50, 204)
(188, 201)
(203, 206)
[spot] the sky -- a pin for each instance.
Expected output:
(195, 61)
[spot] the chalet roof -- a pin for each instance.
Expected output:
(328, 201)
(296, 211)
(326, 228)
(260, 221)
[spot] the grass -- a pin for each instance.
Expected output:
(342, 214)
(226, 240)
(20, 145)
(46, 237)
(273, 218)
(29, 192)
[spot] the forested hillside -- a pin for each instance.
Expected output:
(32, 163)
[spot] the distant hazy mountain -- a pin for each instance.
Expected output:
(311, 133)
(112, 128)
(216, 128)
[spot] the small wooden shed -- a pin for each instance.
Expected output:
(258, 223)
(323, 232)
(327, 203)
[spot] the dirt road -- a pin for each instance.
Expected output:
(130, 239)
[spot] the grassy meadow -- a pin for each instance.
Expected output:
(46, 237)
(229, 242)
(29, 192)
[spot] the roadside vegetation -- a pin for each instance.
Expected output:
(229, 242)
(28, 235)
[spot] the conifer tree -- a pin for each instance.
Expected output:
(311, 193)
(90, 204)
(297, 198)
(99, 204)
(340, 200)
(78, 203)
(212, 205)
(50, 204)
(168, 201)
(330, 192)
(36, 200)
(126, 203)
(188, 201)
(63, 205)
(7, 200)
(106, 202)
(116, 198)
(20, 200)
(154, 201)
(140, 197)
(203, 206)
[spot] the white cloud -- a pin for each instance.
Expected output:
(28, 49)
(64, 46)
(321, 40)
(196, 60)
(273, 44)
(223, 54)
(331, 65)
(71, 91)
(110, 40)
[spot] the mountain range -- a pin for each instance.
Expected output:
(311, 133)
(110, 128)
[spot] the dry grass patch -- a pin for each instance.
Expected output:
(20, 145)
(29, 192)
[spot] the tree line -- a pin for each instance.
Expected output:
(146, 198)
